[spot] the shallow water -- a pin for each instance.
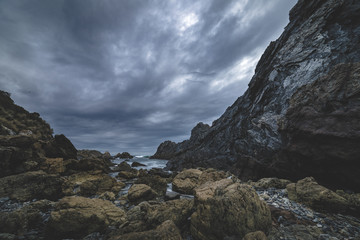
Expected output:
(150, 163)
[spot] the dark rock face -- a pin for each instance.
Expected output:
(249, 138)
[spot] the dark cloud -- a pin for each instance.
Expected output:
(127, 75)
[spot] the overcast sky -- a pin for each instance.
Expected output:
(125, 75)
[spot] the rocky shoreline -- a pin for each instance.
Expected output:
(201, 204)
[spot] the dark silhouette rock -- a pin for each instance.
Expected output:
(137, 164)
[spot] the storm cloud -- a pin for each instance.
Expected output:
(126, 75)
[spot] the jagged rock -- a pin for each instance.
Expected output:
(31, 185)
(124, 155)
(92, 154)
(60, 146)
(76, 217)
(166, 150)
(228, 210)
(258, 135)
(137, 164)
(140, 192)
(258, 235)
(187, 180)
(166, 231)
(310, 193)
(26, 218)
(108, 196)
(266, 183)
(15, 120)
(90, 183)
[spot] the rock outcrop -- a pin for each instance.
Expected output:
(79, 216)
(262, 133)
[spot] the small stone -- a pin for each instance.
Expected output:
(319, 225)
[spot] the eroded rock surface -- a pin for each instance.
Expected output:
(228, 210)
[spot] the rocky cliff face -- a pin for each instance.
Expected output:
(26, 140)
(293, 121)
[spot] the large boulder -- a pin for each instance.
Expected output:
(166, 231)
(25, 219)
(60, 146)
(86, 164)
(310, 193)
(148, 215)
(31, 185)
(187, 180)
(140, 192)
(76, 217)
(225, 209)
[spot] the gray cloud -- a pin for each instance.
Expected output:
(127, 75)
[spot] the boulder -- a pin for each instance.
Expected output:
(133, 173)
(124, 155)
(258, 235)
(31, 185)
(310, 193)
(90, 183)
(147, 215)
(157, 183)
(228, 210)
(266, 183)
(187, 180)
(87, 164)
(160, 172)
(27, 218)
(140, 192)
(123, 166)
(60, 146)
(137, 164)
(166, 231)
(76, 217)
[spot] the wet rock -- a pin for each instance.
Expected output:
(90, 184)
(295, 231)
(310, 193)
(258, 235)
(166, 231)
(26, 218)
(266, 183)
(108, 196)
(123, 166)
(147, 215)
(76, 217)
(187, 180)
(31, 185)
(137, 164)
(157, 183)
(228, 210)
(172, 196)
(140, 192)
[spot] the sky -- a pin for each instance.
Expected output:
(126, 75)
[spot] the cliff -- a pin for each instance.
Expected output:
(300, 114)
